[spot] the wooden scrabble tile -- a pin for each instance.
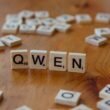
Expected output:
(95, 40)
(42, 14)
(82, 107)
(11, 40)
(105, 92)
(105, 32)
(26, 14)
(62, 27)
(45, 30)
(33, 22)
(38, 59)
(66, 18)
(24, 28)
(57, 60)
(49, 21)
(77, 62)
(24, 107)
(9, 28)
(2, 45)
(69, 98)
(83, 18)
(19, 59)
(102, 18)
(104, 104)
(1, 95)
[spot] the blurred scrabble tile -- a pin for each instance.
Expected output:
(26, 14)
(77, 62)
(83, 18)
(42, 14)
(11, 40)
(69, 98)
(24, 107)
(45, 30)
(104, 104)
(2, 45)
(57, 61)
(62, 27)
(24, 28)
(19, 59)
(82, 107)
(12, 17)
(1, 95)
(33, 22)
(66, 18)
(38, 59)
(95, 40)
(102, 18)
(49, 21)
(9, 28)
(105, 92)
(105, 32)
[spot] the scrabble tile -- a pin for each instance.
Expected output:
(66, 18)
(2, 45)
(42, 14)
(1, 95)
(26, 14)
(19, 59)
(9, 28)
(95, 40)
(49, 21)
(69, 98)
(57, 60)
(82, 107)
(12, 17)
(105, 92)
(105, 32)
(62, 27)
(83, 18)
(38, 59)
(33, 22)
(11, 40)
(102, 18)
(77, 62)
(27, 28)
(24, 107)
(104, 104)
(45, 30)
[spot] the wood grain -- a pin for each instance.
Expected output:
(37, 88)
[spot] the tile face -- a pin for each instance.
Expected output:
(1, 95)
(2, 45)
(42, 14)
(62, 27)
(95, 40)
(105, 92)
(104, 32)
(82, 107)
(19, 59)
(104, 104)
(66, 18)
(46, 30)
(83, 18)
(26, 14)
(77, 62)
(24, 107)
(69, 98)
(10, 28)
(38, 59)
(103, 17)
(27, 28)
(57, 61)
(11, 40)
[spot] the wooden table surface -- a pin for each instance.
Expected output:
(38, 88)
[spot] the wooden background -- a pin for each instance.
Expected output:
(38, 88)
